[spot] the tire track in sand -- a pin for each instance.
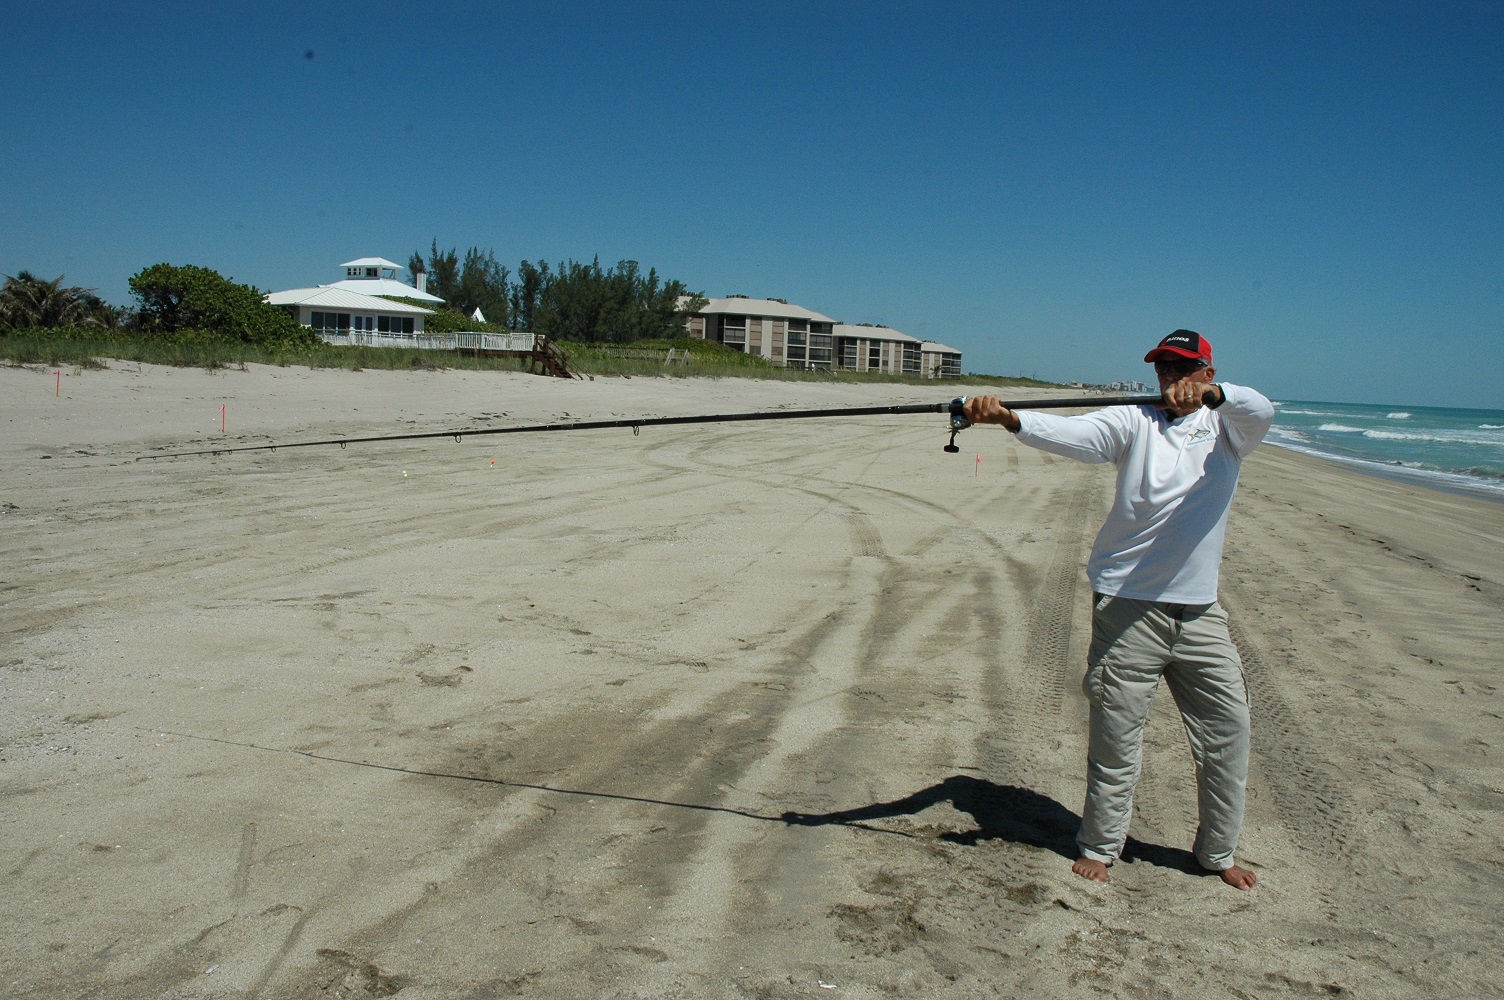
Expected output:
(1307, 788)
(1031, 690)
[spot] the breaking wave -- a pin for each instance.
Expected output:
(1457, 437)
(1447, 447)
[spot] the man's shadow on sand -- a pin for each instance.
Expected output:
(1002, 812)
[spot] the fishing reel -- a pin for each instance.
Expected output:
(958, 422)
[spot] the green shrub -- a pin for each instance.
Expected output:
(189, 298)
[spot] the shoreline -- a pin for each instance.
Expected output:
(1454, 483)
(1454, 449)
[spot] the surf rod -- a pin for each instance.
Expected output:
(955, 408)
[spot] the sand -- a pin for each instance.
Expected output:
(736, 710)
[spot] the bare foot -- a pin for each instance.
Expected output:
(1238, 878)
(1095, 871)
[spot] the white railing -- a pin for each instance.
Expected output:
(514, 343)
(517, 343)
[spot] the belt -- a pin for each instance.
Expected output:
(1175, 611)
(1179, 611)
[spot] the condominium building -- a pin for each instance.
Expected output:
(787, 335)
(792, 336)
(876, 348)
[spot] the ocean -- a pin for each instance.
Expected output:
(1458, 450)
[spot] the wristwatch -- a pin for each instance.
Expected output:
(1221, 397)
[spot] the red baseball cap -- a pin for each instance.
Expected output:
(1182, 344)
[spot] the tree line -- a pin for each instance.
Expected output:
(569, 301)
(172, 301)
(28, 302)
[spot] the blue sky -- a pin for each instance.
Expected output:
(1048, 187)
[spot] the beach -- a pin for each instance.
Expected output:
(776, 710)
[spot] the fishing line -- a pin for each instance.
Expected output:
(955, 408)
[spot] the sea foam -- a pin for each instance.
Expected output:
(1445, 437)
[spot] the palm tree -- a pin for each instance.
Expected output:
(27, 301)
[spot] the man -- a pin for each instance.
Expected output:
(1153, 572)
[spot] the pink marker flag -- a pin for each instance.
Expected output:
(978, 470)
(221, 418)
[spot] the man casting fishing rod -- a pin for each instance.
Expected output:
(1153, 572)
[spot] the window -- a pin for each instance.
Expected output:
(846, 347)
(345, 322)
(795, 348)
(329, 321)
(734, 332)
(911, 359)
(874, 355)
(819, 349)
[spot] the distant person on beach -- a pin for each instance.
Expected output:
(1153, 572)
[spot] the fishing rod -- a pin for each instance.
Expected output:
(955, 408)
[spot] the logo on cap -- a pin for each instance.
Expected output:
(1182, 344)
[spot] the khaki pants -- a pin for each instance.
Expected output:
(1135, 643)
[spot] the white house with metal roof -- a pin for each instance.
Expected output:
(333, 312)
(361, 306)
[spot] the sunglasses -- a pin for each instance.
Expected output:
(1181, 368)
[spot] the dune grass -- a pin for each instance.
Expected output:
(84, 347)
(708, 359)
(88, 349)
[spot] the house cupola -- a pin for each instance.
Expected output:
(370, 267)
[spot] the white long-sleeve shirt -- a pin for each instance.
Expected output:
(1163, 538)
